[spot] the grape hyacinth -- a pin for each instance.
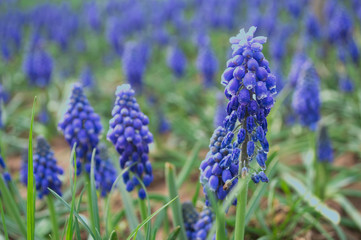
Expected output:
(87, 78)
(134, 64)
(207, 64)
(249, 87)
(221, 112)
(345, 84)
(38, 67)
(81, 125)
(46, 172)
(306, 99)
(105, 173)
(324, 146)
(204, 224)
(177, 61)
(130, 135)
(190, 218)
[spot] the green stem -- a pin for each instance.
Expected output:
(143, 209)
(9, 201)
(53, 217)
(220, 225)
(89, 202)
(241, 212)
(242, 196)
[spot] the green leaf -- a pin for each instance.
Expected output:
(135, 231)
(311, 199)
(188, 166)
(69, 231)
(31, 191)
(113, 236)
(173, 192)
(253, 203)
(350, 210)
(93, 198)
(174, 234)
(3, 221)
(87, 228)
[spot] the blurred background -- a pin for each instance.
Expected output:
(173, 53)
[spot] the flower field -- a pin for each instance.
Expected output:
(180, 119)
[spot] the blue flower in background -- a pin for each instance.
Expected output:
(177, 61)
(164, 125)
(313, 28)
(44, 116)
(115, 34)
(306, 98)
(345, 84)
(324, 146)
(80, 125)
(204, 225)
(92, 15)
(134, 62)
(207, 64)
(190, 218)
(86, 78)
(105, 173)
(131, 137)
(221, 112)
(38, 67)
(24, 167)
(46, 171)
(297, 62)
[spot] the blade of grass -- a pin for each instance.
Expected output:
(31, 192)
(73, 177)
(76, 223)
(87, 228)
(135, 231)
(311, 199)
(53, 217)
(93, 198)
(11, 206)
(3, 221)
(173, 192)
(175, 233)
(196, 194)
(350, 210)
(188, 166)
(113, 235)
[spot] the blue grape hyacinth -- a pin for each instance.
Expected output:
(306, 100)
(46, 171)
(190, 218)
(87, 78)
(80, 125)
(134, 64)
(38, 67)
(345, 84)
(105, 173)
(249, 88)
(131, 137)
(204, 224)
(177, 61)
(207, 64)
(324, 146)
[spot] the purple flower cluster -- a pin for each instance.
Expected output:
(105, 173)
(134, 62)
(345, 84)
(81, 125)
(130, 135)
(306, 100)
(207, 64)
(324, 146)
(204, 224)
(46, 172)
(249, 87)
(177, 61)
(190, 218)
(38, 67)
(87, 79)
(197, 225)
